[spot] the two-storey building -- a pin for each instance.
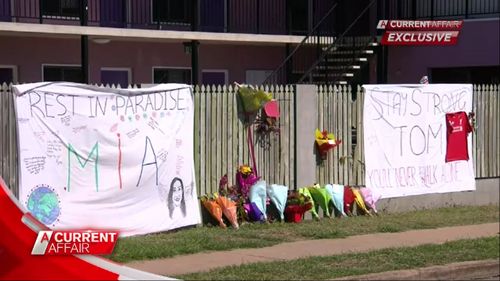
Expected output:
(249, 41)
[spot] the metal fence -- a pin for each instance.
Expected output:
(239, 16)
(221, 136)
(441, 9)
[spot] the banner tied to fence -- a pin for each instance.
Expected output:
(405, 139)
(105, 158)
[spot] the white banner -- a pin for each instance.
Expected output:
(105, 158)
(405, 139)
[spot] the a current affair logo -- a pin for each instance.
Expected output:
(75, 242)
(412, 32)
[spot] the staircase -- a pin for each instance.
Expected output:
(324, 58)
(343, 62)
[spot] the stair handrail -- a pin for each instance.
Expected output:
(329, 48)
(309, 35)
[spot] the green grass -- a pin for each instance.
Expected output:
(321, 268)
(203, 239)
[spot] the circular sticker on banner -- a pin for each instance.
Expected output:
(44, 204)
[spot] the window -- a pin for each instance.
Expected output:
(172, 75)
(171, 11)
(61, 8)
(473, 75)
(115, 76)
(62, 73)
(214, 77)
(256, 77)
(8, 74)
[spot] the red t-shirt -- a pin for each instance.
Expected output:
(457, 129)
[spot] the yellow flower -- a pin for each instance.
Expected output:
(246, 170)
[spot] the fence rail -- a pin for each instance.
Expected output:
(221, 137)
(441, 9)
(237, 16)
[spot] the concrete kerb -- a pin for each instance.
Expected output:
(201, 262)
(454, 271)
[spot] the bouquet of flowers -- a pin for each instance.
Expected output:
(297, 204)
(304, 191)
(370, 198)
(214, 209)
(325, 141)
(229, 209)
(230, 191)
(337, 193)
(253, 213)
(321, 198)
(360, 203)
(269, 120)
(348, 200)
(278, 196)
(258, 197)
(245, 178)
(252, 99)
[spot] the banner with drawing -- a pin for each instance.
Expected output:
(105, 158)
(405, 139)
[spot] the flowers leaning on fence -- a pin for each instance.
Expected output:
(296, 205)
(239, 195)
(245, 178)
(252, 99)
(325, 141)
(214, 209)
(229, 209)
(321, 198)
(278, 196)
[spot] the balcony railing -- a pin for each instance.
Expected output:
(238, 16)
(442, 9)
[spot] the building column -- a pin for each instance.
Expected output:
(84, 46)
(195, 69)
(194, 44)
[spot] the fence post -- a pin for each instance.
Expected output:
(306, 103)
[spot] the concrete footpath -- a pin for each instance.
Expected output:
(323, 247)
